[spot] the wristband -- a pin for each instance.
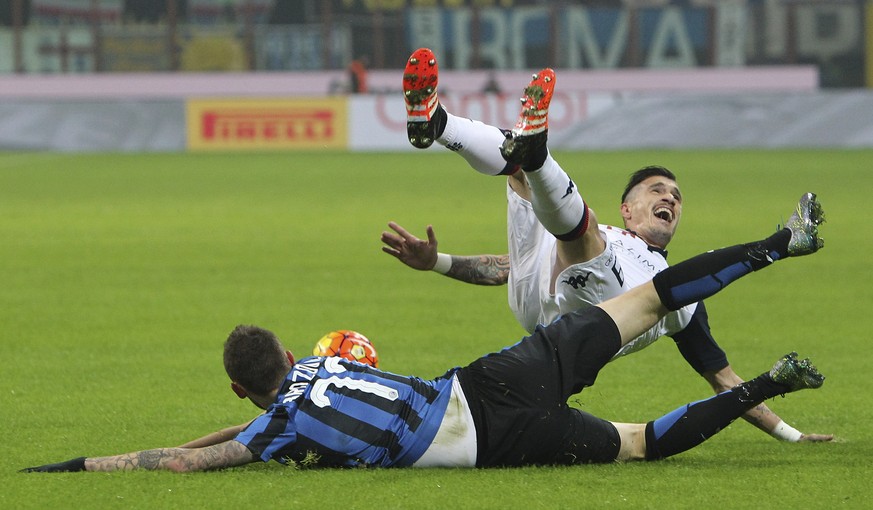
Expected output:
(785, 432)
(443, 263)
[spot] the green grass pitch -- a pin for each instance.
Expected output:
(121, 275)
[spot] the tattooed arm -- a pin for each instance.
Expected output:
(181, 460)
(480, 269)
(422, 255)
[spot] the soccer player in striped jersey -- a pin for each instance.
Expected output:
(561, 259)
(508, 408)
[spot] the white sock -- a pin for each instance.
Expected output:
(478, 143)
(556, 201)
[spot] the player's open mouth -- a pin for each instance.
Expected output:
(664, 213)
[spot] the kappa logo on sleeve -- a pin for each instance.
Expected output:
(577, 281)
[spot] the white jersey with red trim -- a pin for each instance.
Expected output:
(627, 262)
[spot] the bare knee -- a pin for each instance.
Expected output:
(519, 185)
(633, 441)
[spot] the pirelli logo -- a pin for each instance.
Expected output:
(253, 125)
(267, 124)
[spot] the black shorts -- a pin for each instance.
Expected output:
(518, 396)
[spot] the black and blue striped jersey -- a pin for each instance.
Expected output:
(334, 412)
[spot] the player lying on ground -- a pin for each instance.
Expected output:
(505, 409)
(561, 258)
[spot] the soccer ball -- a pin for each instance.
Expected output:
(347, 344)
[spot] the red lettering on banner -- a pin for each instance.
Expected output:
(269, 126)
(500, 110)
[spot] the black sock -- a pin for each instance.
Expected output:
(440, 118)
(777, 243)
(537, 156)
(692, 424)
(702, 276)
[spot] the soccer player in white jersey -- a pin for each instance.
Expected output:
(508, 408)
(561, 258)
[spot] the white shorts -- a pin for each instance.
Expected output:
(626, 263)
(455, 442)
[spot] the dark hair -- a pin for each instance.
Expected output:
(255, 359)
(644, 173)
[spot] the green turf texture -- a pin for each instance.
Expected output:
(121, 276)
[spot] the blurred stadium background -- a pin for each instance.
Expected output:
(171, 168)
(179, 75)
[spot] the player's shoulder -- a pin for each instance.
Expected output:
(628, 244)
(613, 232)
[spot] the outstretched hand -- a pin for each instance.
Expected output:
(816, 438)
(414, 252)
